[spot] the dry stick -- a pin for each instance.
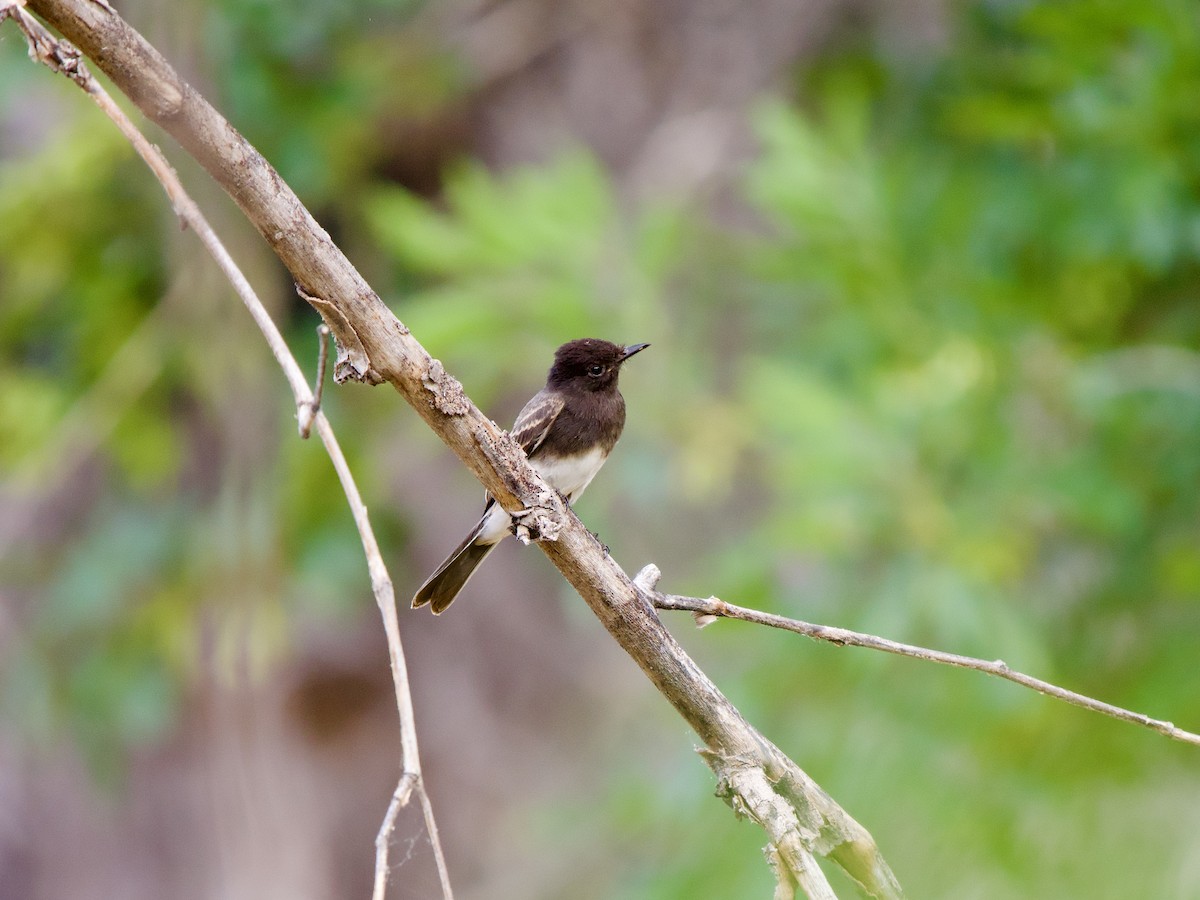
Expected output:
(61, 57)
(705, 610)
(753, 776)
(308, 411)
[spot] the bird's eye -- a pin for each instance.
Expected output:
(596, 371)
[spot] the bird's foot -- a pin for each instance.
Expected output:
(536, 523)
(602, 544)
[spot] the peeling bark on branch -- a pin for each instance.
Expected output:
(754, 776)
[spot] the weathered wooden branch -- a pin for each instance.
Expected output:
(753, 775)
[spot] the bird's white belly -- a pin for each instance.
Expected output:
(570, 475)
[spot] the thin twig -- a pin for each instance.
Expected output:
(385, 598)
(62, 57)
(306, 411)
(383, 839)
(706, 610)
(785, 884)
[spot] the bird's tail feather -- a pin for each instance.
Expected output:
(443, 585)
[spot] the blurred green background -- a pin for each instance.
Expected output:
(921, 279)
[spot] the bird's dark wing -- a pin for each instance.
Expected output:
(532, 425)
(534, 421)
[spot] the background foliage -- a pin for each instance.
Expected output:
(925, 364)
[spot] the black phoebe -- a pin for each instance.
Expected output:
(567, 430)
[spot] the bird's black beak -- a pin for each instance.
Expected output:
(632, 349)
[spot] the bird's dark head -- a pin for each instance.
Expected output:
(589, 363)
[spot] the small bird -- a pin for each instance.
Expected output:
(567, 430)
